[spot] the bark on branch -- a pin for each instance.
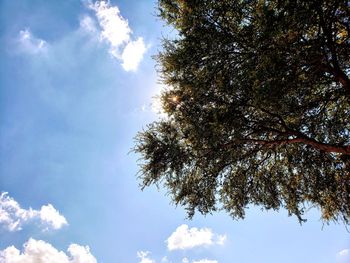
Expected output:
(340, 77)
(335, 69)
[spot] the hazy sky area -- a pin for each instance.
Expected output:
(77, 80)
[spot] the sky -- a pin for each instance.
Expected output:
(77, 82)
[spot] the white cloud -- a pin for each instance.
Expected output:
(205, 261)
(116, 32)
(28, 43)
(143, 255)
(344, 253)
(185, 260)
(35, 251)
(343, 256)
(186, 238)
(133, 54)
(80, 254)
(165, 259)
(52, 217)
(88, 24)
(221, 239)
(13, 217)
(115, 29)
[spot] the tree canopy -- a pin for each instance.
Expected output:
(258, 107)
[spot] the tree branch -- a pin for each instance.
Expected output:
(335, 69)
(331, 148)
(339, 76)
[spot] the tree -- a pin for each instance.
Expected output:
(258, 107)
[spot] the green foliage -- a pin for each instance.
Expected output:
(258, 107)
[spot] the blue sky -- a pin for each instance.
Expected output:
(76, 84)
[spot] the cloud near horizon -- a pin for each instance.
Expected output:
(205, 261)
(185, 260)
(143, 255)
(187, 238)
(39, 251)
(116, 32)
(13, 217)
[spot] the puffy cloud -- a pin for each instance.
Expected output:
(13, 217)
(35, 251)
(186, 238)
(133, 54)
(115, 29)
(28, 43)
(50, 216)
(116, 32)
(343, 256)
(80, 254)
(143, 255)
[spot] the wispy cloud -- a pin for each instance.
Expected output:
(40, 251)
(186, 238)
(13, 217)
(143, 255)
(116, 32)
(221, 239)
(88, 24)
(185, 260)
(205, 261)
(165, 259)
(107, 25)
(145, 259)
(28, 43)
(343, 256)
